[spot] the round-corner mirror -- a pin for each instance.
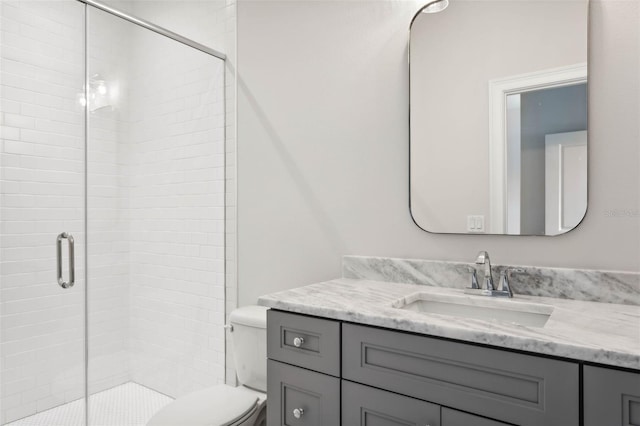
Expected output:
(498, 116)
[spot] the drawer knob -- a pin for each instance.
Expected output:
(297, 342)
(298, 412)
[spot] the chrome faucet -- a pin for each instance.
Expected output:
(483, 259)
(488, 289)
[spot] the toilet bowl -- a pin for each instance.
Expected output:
(225, 405)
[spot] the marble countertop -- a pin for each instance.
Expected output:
(603, 333)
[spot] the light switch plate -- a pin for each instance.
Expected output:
(475, 223)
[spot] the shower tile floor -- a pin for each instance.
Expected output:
(126, 405)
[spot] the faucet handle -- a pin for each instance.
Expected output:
(505, 275)
(474, 278)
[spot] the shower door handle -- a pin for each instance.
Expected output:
(72, 263)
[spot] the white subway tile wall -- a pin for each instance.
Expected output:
(212, 23)
(156, 212)
(42, 187)
(176, 215)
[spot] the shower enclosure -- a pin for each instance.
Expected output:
(111, 215)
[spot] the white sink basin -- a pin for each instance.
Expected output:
(477, 307)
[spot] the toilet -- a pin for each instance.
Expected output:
(225, 405)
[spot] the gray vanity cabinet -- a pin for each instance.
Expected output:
(611, 397)
(326, 372)
(367, 406)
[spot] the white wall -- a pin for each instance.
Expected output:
(323, 146)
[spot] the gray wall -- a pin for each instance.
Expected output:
(544, 112)
(323, 146)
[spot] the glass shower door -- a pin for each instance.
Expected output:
(155, 219)
(42, 213)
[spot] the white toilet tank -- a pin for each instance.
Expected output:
(249, 339)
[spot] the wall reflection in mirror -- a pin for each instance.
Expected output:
(498, 116)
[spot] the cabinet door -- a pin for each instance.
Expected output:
(299, 397)
(366, 406)
(611, 397)
(458, 418)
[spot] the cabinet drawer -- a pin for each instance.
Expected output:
(301, 397)
(311, 343)
(611, 397)
(514, 388)
(366, 406)
(458, 418)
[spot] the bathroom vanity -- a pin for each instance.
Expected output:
(359, 352)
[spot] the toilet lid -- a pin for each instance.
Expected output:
(218, 405)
